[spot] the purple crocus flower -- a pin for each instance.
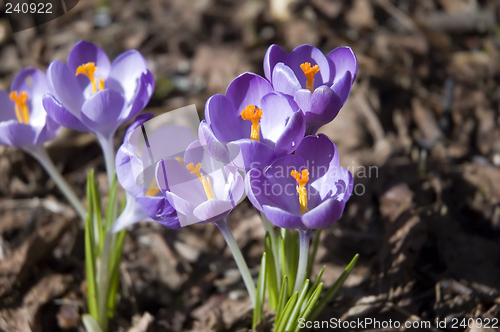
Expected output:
(135, 169)
(319, 85)
(91, 94)
(307, 190)
(23, 121)
(25, 124)
(200, 188)
(254, 120)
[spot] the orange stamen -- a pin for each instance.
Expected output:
(309, 72)
(253, 114)
(101, 84)
(302, 179)
(89, 70)
(203, 179)
(21, 107)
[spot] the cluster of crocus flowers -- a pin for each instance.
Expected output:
(261, 127)
(293, 177)
(259, 138)
(270, 120)
(89, 93)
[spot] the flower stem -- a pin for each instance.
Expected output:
(108, 150)
(304, 237)
(103, 282)
(224, 228)
(41, 155)
(269, 228)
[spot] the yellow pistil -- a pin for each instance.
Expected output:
(253, 114)
(89, 70)
(21, 100)
(309, 72)
(205, 181)
(302, 179)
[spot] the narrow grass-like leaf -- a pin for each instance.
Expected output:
(111, 207)
(271, 275)
(282, 254)
(115, 260)
(282, 299)
(315, 285)
(314, 252)
(286, 313)
(114, 280)
(309, 306)
(95, 195)
(90, 324)
(334, 289)
(261, 293)
(90, 257)
(296, 310)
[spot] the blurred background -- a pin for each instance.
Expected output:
(420, 133)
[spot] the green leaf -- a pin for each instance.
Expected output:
(296, 310)
(282, 299)
(111, 207)
(261, 293)
(114, 279)
(315, 285)
(311, 260)
(271, 275)
(283, 319)
(332, 291)
(90, 257)
(115, 260)
(309, 305)
(95, 196)
(282, 253)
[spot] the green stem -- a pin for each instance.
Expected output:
(304, 237)
(41, 155)
(269, 228)
(108, 150)
(314, 252)
(224, 228)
